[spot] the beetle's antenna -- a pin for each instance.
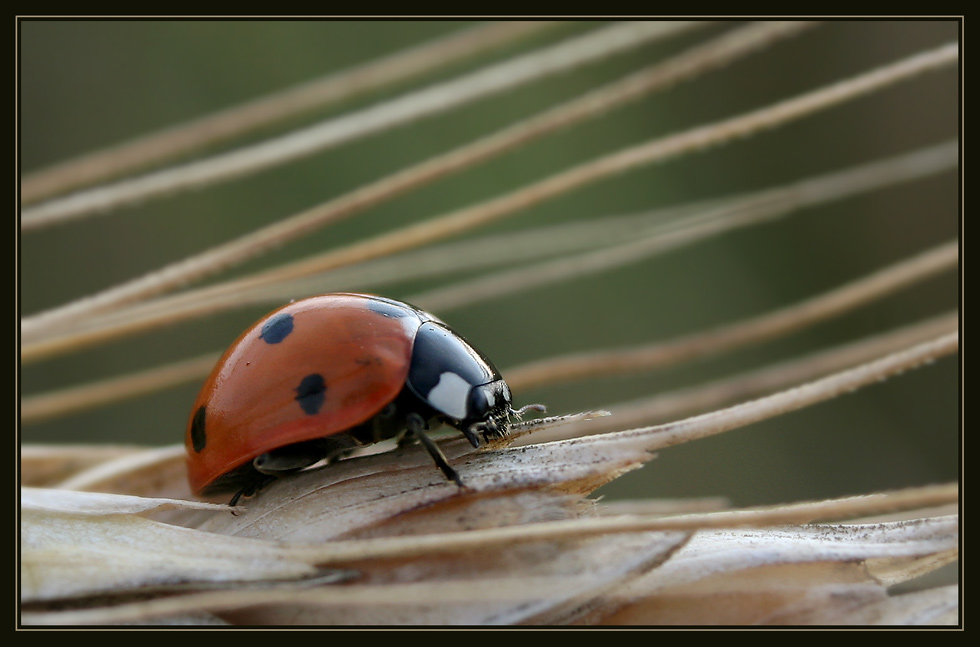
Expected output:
(519, 413)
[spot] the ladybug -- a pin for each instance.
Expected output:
(324, 375)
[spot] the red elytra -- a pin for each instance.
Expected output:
(359, 346)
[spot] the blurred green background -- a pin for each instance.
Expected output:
(89, 84)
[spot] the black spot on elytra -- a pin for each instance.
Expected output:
(311, 393)
(277, 328)
(198, 438)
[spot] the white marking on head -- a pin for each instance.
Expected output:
(450, 395)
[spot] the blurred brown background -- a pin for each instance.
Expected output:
(89, 84)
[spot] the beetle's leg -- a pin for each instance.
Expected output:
(416, 427)
(470, 433)
(288, 459)
(251, 489)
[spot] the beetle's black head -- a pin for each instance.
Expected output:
(488, 411)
